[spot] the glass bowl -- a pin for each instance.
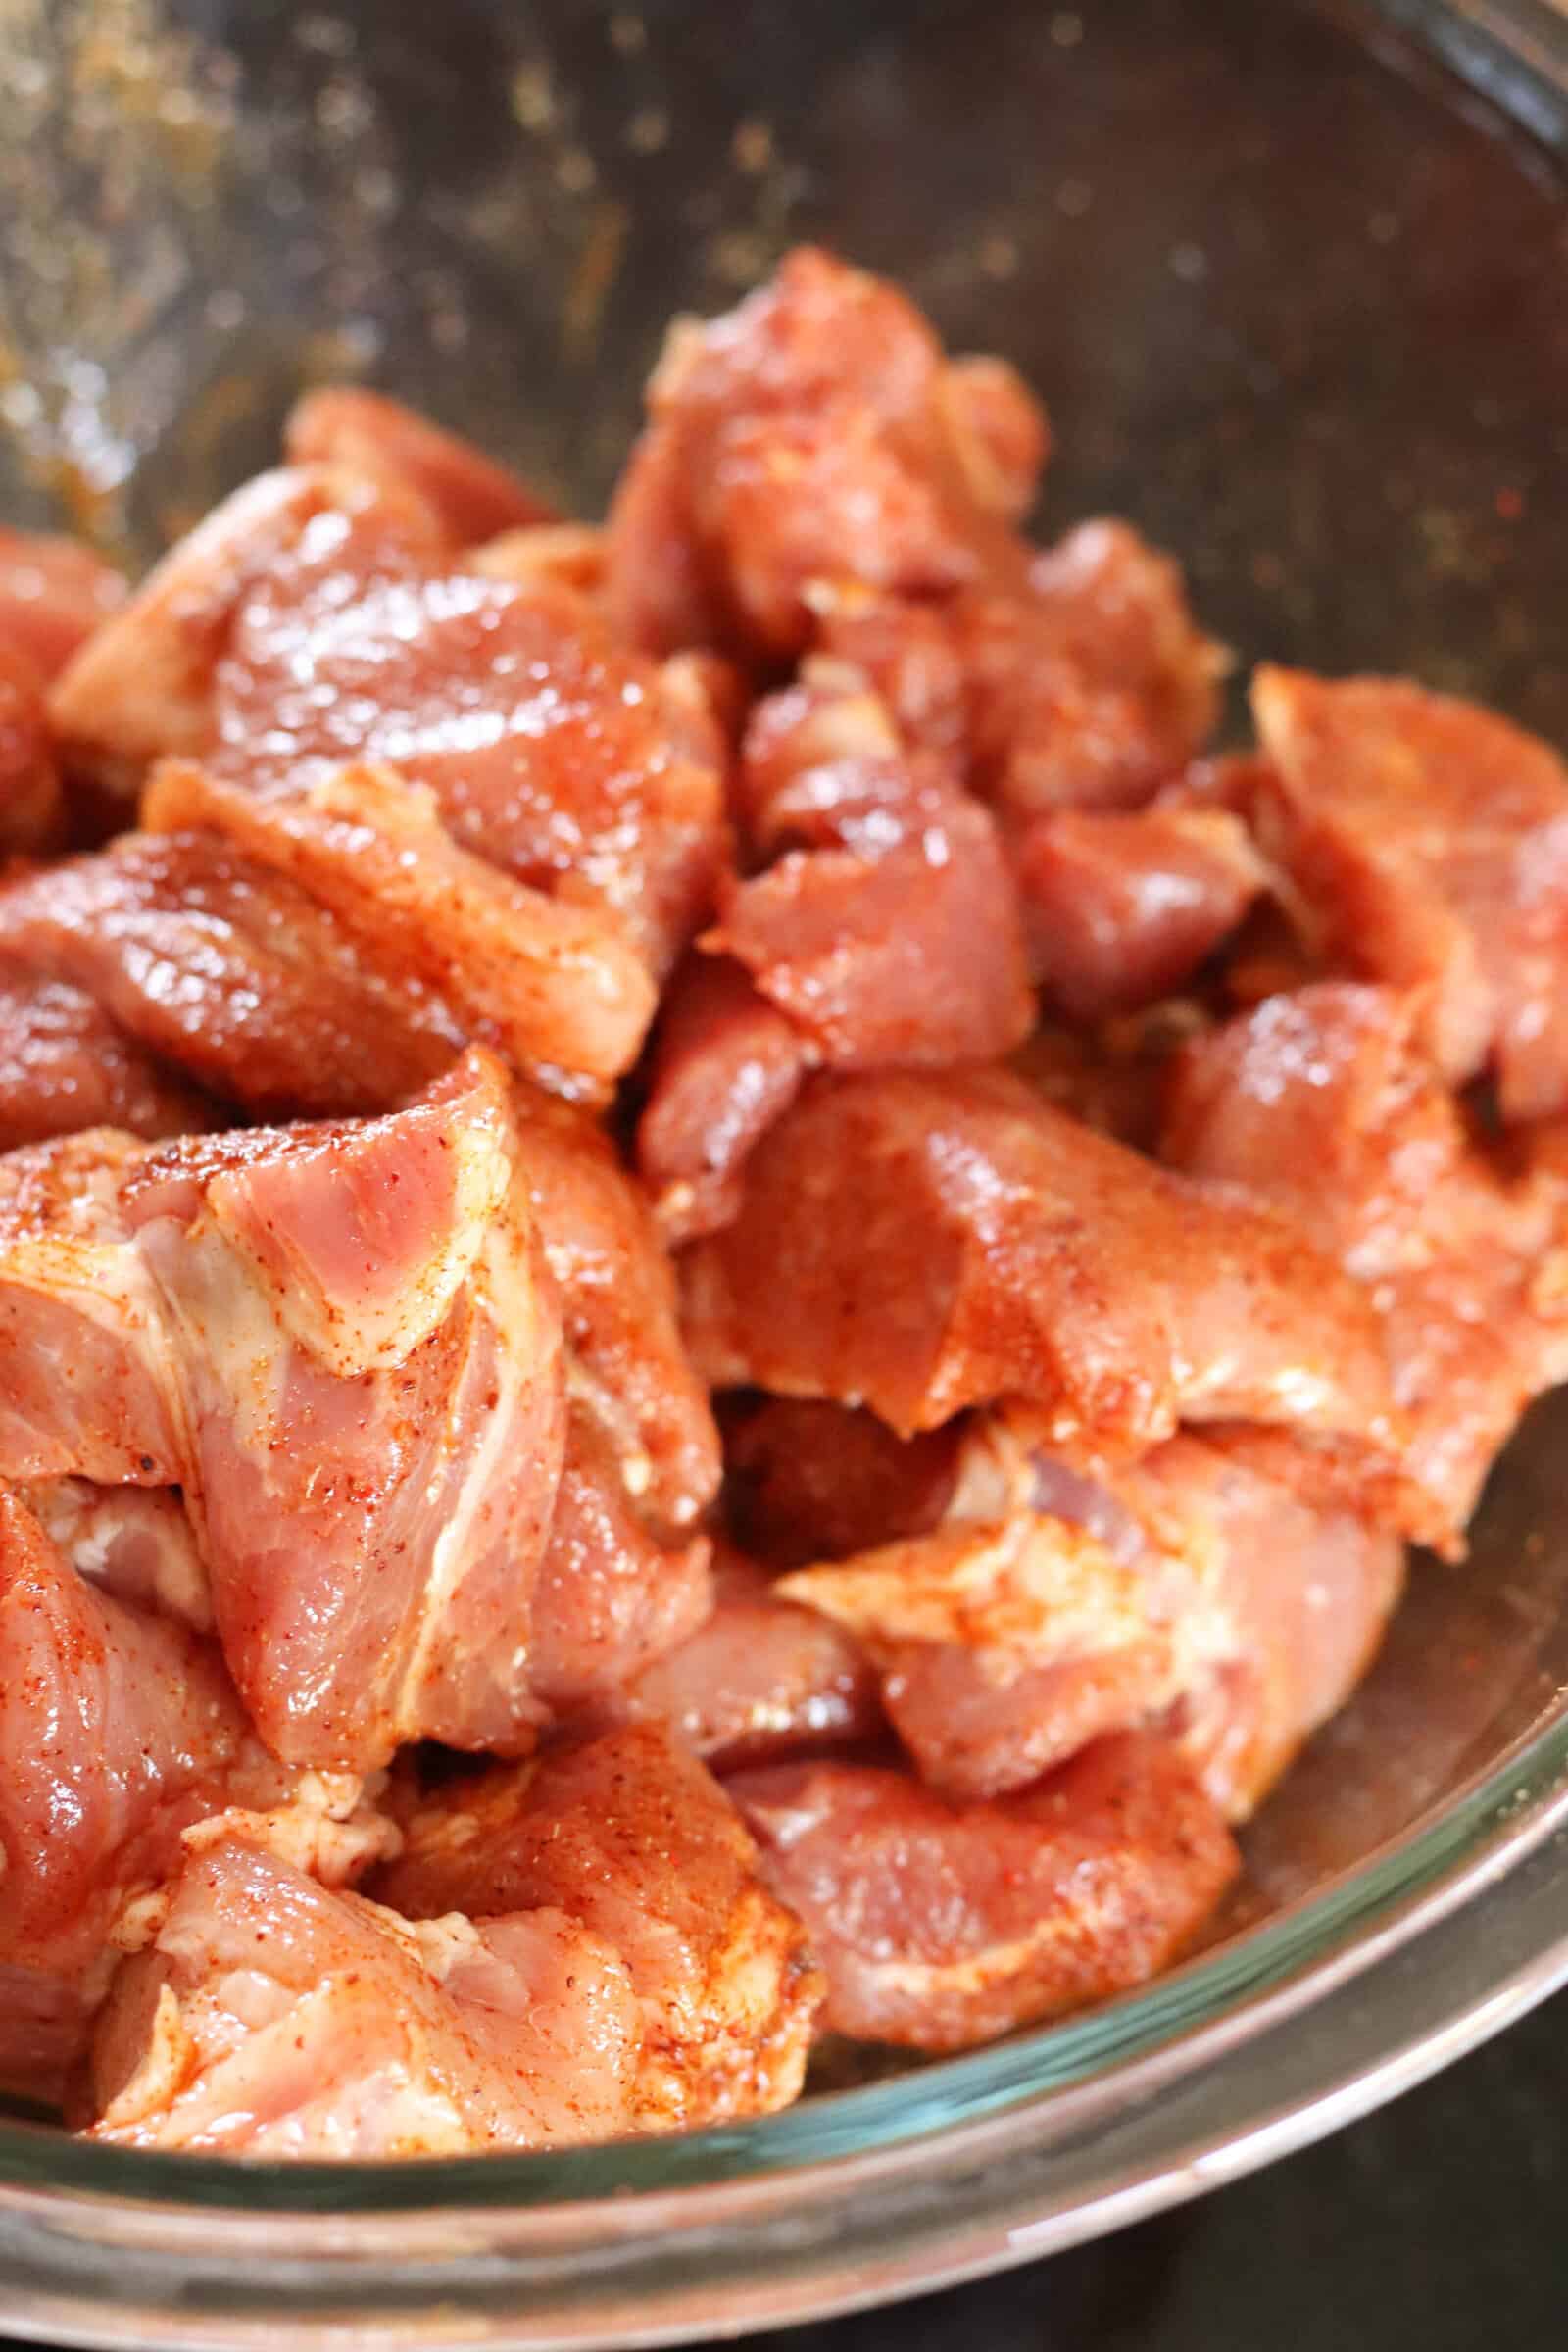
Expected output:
(1291, 282)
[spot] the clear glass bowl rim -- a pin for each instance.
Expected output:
(1235, 1991)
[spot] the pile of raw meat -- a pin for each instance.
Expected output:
(724, 1296)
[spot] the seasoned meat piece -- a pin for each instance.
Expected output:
(199, 960)
(629, 1367)
(1299, 1596)
(822, 767)
(471, 497)
(32, 814)
(350, 1346)
(53, 594)
(551, 753)
(890, 938)
(984, 1718)
(910, 958)
(905, 652)
(344, 1346)
(373, 1519)
(1004, 1647)
(631, 1837)
(724, 1064)
(900, 949)
(1429, 841)
(1092, 689)
(561, 555)
(808, 1481)
(63, 1065)
(610, 1597)
(272, 2018)
(1320, 1104)
(919, 1245)
(1321, 1098)
(809, 436)
(1088, 686)
(1187, 1589)
(136, 1543)
(999, 430)
(315, 620)
(815, 473)
(83, 1369)
(554, 988)
(940, 1923)
(119, 1733)
(1111, 1077)
(115, 1732)
(759, 1679)
(323, 955)
(1122, 908)
(1099, 688)
(143, 684)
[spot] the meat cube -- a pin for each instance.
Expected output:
(889, 938)
(816, 473)
(119, 1732)
(554, 987)
(193, 959)
(54, 593)
(806, 1479)
(315, 620)
(1429, 841)
(560, 555)
(1000, 429)
(1046, 1608)
(1296, 1594)
(575, 768)
(1321, 1104)
(363, 432)
(272, 2018)
(823, 765)
(1121, 909)
(344, 1346)
(759, 1679)
(84, 1387)
(1093, 687)
(811, 435)
(905, 651)
(325, 956)
(143, 683)
(922, 1243)
(633, 1838)
(940, 1923)
(65, 1066)
(1003, 1647)
(912, 958)
(32, 816)
(630, 1370)
(724, 1064)
(905, 955)
(374, 1519)
(610, 1597)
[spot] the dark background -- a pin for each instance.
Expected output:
(1439, 2224)
(1292, 293)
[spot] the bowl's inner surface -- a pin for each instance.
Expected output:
(1294, 308)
